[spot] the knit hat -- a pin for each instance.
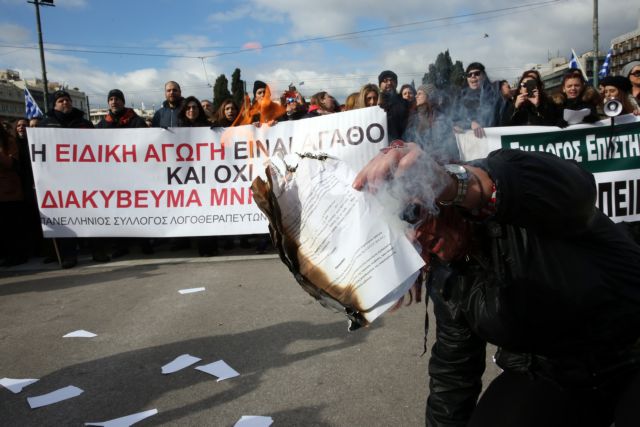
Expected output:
(474, 66)
(258, 84)
(619, 82)
(387, 74)
(428, 89)
(626, 70)
(59, 94)
(117, 93)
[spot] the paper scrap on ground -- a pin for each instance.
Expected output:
(125, 421)
(253, 421)
(15, 385)
(219, 369)
(54, 397)
(573, 117)
(81, 333)
(190, 291)
(179, 362)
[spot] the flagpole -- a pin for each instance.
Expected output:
(595, 43)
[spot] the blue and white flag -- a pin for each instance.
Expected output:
(31, 108)
(604, 70)
(573, 64)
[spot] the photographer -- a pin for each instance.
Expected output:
(531, 107)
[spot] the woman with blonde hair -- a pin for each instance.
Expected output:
(369, 96)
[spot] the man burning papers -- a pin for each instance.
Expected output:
(341, 246)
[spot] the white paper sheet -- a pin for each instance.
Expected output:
(54, 397)
(574, 117)
(15, 385)
(125, 421)
(179, 363)
(346, 239)
(81, 333)
(254, 421)
(219, 369)
(190, 290)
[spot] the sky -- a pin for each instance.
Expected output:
(332, 45)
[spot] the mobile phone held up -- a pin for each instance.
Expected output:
(530, 85)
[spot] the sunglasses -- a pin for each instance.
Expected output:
(191, 107)
(290, 100)
(635, 73)
(474, 74)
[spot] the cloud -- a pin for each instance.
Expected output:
(12, 33)
(252, 45)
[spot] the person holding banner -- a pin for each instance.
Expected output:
(65, 115)
(519, 256)
(578, 95)
(12, 210)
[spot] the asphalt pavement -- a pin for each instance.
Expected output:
(298, 364)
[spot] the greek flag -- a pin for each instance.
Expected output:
(604, 70)
(31, 108)
(573, 64)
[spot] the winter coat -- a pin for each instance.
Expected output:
(74, 120)
(545, 114)
(483, 105)
(554, 283)
(126, 119)
(10, 183)
(166, 117)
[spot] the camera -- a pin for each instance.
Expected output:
(612, 107)
(530, 85)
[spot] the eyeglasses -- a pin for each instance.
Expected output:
(474, 74)
(635, 73)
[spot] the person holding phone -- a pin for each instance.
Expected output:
(531, 106)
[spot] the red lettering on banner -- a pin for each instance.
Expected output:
(157, 197)
(124, 199)
(151, 153)
(48, 201)
(194, 198)
(87, 198)
(62, 150)
(111, 153)
(107, 197)
(141, 199)
(215, 150)
(87, 154)
(131, 152)
(175, 199)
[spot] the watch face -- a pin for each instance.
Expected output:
(455, 169)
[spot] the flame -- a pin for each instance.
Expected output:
(264, 111)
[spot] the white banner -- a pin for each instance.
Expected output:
(611, 153)
(179, 181)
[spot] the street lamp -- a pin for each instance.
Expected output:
(37, 3)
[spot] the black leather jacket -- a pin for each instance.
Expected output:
(552, 282)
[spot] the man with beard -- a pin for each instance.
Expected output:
(167, 116)
(397, 108)
(121, 117)
(65, 115)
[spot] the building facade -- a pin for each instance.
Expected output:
(12, 106)
(626, 48)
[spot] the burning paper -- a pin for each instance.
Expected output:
(15, 385)
(339, 243)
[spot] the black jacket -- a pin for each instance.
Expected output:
(74, 119)
(546, 113)
(553, 282)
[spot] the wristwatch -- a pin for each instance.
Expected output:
(460, 174)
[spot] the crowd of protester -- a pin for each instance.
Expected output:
(428, 115)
